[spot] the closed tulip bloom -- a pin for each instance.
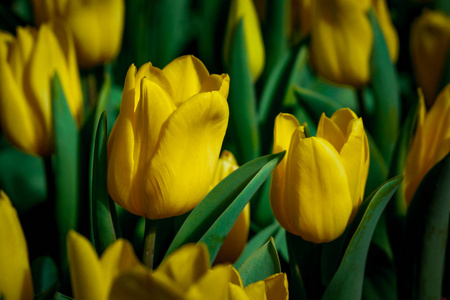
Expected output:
(195, 280)
(431, 142)
(245, 10)
(165, 144)
(430, 38)
(92, 276)
(28, 64)
(341, 40)
(97, 26)
(236, 239)
(317, 189)
(388, 29)
(15, 277)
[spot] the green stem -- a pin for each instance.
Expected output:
(149, 243)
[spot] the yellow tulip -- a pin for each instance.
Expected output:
(431, 142)
(341, 40)
(236, 239)
(27, 66)
(194, 280)
(245, 10)
(15, 277)
(317, 189)
(97, 26)
(388, 29)
(430, 38)
(165, 144)
(92, 277)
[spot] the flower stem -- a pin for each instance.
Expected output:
(149, 242)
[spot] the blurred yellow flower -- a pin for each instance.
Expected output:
(27, 65)
(92, 277)
(194, 280)
(97, 26)
(317, 189)
(245, 10)
(341, 40)
(165, 144)
(430, 144)
(15, 277)
(430, 38)
(236, 239)
(388, 29)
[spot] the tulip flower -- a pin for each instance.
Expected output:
(430, 143)
(92, 277)
(165, 144)
(15, 277)
(319, 185)
(28, 64)
(341, 40)
(245, 10)
(194, 280)
(235, 242)
(97, 26)
(430, 38)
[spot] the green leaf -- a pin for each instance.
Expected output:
(242, 100)
(261, 212)
(65, 166)
(213, 218)
(261, 264)
(348, 281)
(256, 242)
(59, 296)
(426, 237)
(280, 241)
(378, 171)
(103, 211)
(45, 277)
(384, 122)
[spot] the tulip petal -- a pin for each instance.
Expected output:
(186, 75)
(117, 258)
(285, 126)
(389, 32)
(194, 260)
(277, 287)
(236, 292)
(216, 82)
(139, 284)
(182, 168)
(27, 135)
(85, 269)
(213, 285)
(354, 156)
(316, 190)
(20, 51)
(329, 130)
(256, 290)
(15, 278)
(342, 118)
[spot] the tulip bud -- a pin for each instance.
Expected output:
(317, 189)
(165, 144)
(430, 38)
(236, 239)
(28, 64)
(245, 10)
(15, 277)
(430, 143)
(97, 26)
(388, 29)
(341, 40)
(92, 277)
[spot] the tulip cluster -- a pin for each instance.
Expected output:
(215, 149)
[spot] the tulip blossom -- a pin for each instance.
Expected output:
(92, 277)
(194, 280)
(431, 142)
(430, 38)
(319, 185)
(97, 26)
(388, 29)
(28, 64)
(165, 144)
(15, 277)
(245, 10)
(235, 242)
